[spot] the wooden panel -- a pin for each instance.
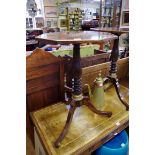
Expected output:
(90, 73)
(87, 131)
(40, 58)
(44, 82)
(40, 71)
(95, 59)
(42, 98)
(43, 74)
(123, 68)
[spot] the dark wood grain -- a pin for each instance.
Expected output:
(44, 82)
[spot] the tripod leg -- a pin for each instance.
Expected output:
(66, 127)
(118, 90)
(92, 108)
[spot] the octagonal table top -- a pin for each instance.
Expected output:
(74, 37)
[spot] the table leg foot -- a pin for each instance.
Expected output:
(92, 108)
(118, 90)
(66, 127)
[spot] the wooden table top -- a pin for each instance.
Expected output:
(87, 128)
(111, 30)
(76, 37)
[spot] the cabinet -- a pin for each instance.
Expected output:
(69, 17)
(110, 13)
(75, 19)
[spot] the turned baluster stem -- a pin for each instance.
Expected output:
(77, 73)
(114, 57)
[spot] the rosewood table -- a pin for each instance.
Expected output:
(114, 57)
(76, 38)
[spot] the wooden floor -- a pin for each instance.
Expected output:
(29, 147)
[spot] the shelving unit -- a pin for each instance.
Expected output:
(75, 19)
(110, 13)
(62, 15)
(107, 13)
(71, 17)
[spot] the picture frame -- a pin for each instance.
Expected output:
(126, 5)
(29, 23)
(50, 2)
(50, 12)
(62, 11)
(125, 18)
(54, 22)
(51, 22)
(63, 23)
(39, 22)
(62, 1)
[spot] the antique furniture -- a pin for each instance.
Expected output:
(87, 24)
(114, 57)
(77, 100)
(31, 42)
(44, 83)
(110, 12)
(88, 131)
(43, 94)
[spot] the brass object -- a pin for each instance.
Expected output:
(77, 97)
(97, 93)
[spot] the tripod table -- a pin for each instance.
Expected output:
(78, 99)
(114, 57)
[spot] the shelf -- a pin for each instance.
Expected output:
(70, 1)
(62, 15)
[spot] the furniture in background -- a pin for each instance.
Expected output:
(88, 131)
(31, 42)
(110, 12)
(86, 24)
